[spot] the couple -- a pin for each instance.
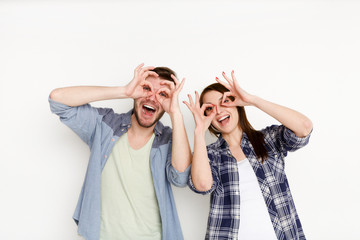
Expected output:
(126, 192)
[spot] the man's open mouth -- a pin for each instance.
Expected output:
(148, 110)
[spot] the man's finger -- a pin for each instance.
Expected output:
(168, 83)
(150, 73)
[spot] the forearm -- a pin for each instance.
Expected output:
(181, 154)
(80, 95)
(297, 122)
(200, 169)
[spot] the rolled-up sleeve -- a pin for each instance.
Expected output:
(284, 139)
(174, 176)
(177, 178)
(81, 119)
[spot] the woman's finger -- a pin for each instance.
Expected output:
(197, 99)
(190, 108)
(226, 78)
(191, 100)
(212, 114)
(223, 83)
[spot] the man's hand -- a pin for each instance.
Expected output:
(138, 87)
(168, 97)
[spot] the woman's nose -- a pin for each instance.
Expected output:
(219, 109)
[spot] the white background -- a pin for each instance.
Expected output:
(301, 54)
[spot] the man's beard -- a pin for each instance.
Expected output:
(148, 125)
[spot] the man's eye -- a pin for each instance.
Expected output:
(163, 94)
(146, 88)
(208, 109)
(226, 100)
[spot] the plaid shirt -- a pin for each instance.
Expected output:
(224, 216)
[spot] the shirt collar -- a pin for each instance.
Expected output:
(221, 143)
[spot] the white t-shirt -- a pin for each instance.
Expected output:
(255, 222)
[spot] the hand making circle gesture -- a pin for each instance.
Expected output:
(138, 87)
(241, 97)
(202, 121)
(168, 96)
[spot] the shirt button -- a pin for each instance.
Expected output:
(237, 193)
(236, 217)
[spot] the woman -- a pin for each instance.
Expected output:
(244, 169)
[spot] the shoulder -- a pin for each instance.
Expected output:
(165, 132)
(114, 120)
(214, 151)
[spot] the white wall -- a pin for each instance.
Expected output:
(302, 54)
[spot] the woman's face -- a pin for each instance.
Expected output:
(226, 118)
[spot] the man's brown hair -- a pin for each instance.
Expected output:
(164, 73)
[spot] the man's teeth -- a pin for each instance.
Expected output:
(223, 118)
(149, 107)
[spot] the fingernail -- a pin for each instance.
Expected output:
(217, 78)
(232, 71)
(224, 73)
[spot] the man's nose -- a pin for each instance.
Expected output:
(151, 96)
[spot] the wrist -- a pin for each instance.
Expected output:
(175, 114)
(175, 117)
(122, 92)
(200, 131)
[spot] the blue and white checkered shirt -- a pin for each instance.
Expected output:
(224, 216)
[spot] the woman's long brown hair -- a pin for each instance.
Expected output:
(256, 138)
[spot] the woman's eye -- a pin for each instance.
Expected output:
(163, 94)
(146, 88)
(208, 109)
(226, 100)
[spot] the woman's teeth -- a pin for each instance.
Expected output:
(223, 118)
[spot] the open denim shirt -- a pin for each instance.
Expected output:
(100, 128)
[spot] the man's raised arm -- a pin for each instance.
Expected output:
(80, 95)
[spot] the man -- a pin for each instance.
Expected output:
(126, 192)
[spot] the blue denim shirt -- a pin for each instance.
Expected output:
(100, 128)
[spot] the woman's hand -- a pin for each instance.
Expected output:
(241, 97)
(201, 120)
(138, 87)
